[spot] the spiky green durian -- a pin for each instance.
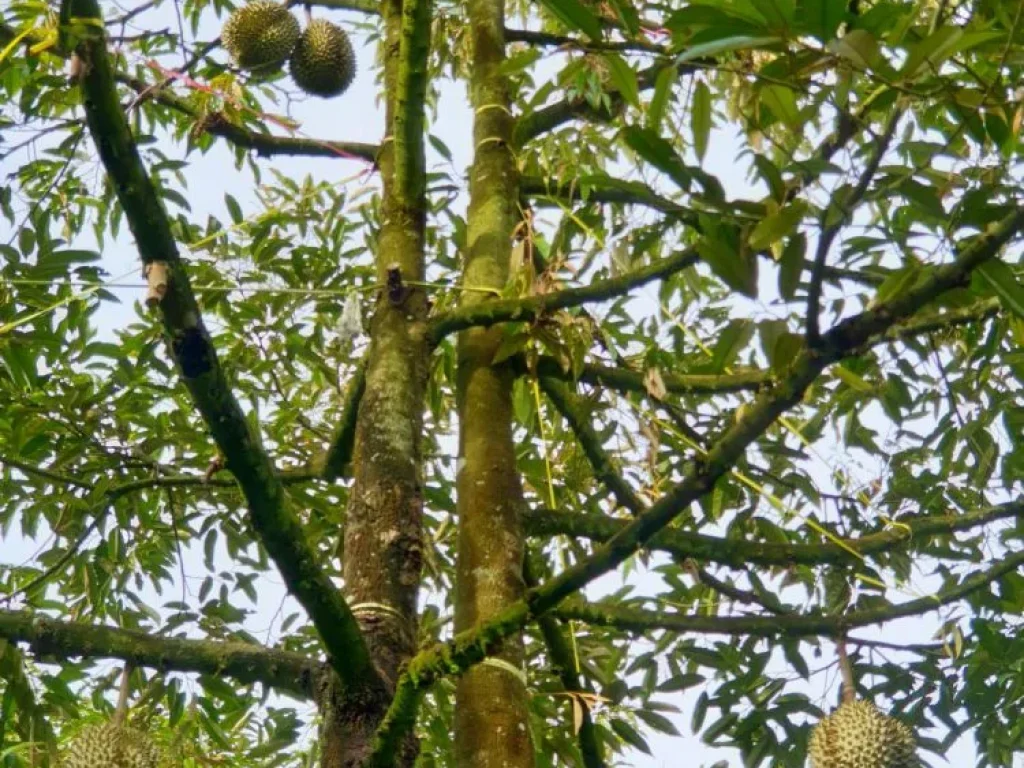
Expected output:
(260, 36)
(857, 735)
(111, 746)
(323, 62)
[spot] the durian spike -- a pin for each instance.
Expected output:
(849, 691)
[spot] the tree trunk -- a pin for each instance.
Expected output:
(491, 714)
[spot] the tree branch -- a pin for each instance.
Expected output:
(738, 553)
(339, 453)
(270, 510)
(567, 403)
(547, 119)
(565, 41)
(631, 193)
(264, 144)
(563, 661)
(789, 625)
(244, 662)
(840, 210)
(526, 310)
(627, 380)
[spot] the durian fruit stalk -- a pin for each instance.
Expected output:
(111, 745)
(323, 62)
(857, 735)
(261, 35)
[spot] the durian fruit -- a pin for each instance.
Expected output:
(260, 36)
(323, 63)
(110, 745)
(857, 735)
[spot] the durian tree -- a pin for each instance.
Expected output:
(567, 383)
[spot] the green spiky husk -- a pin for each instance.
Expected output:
(111, 746)
(323, 62)
(260, 36)
(857, 735)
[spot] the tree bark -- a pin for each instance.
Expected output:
(491, 713)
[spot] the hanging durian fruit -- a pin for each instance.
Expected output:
(261, 35)
(857, 735)
(113, 744)
(323, 62)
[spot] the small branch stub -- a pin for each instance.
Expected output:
(397, 291)
(157, 276)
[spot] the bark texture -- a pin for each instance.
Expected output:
(491, 714)
(383, 542)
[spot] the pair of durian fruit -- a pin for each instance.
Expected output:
(262, 35)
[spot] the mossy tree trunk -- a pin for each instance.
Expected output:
(491, 716)
(384, 526)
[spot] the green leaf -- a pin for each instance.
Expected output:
(730, 264)
(629, 734)
(821, 17)
(785, 350)
(1000, 277)
(778, 13)
(440, 147)
(629, 15)
(663, 85)
(782, 102)
(857, 46)
(681, 682)
(623, 77)
(731, 341)
(659, 153)
(700, 119)
(658, 722)
(725, 45)
(234, 209)
(575, 15)
(853, 381)
(929, 53)
(777, 226)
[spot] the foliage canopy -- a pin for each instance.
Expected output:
(730, 306)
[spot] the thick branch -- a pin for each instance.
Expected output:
(640, 620)
(569, 406)
(633, 194)
(264, 144)
(244, 662)
(738, 553)
(270, 510)
(565, 41)
(339, 453)
(490, 313)
(627, 380)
